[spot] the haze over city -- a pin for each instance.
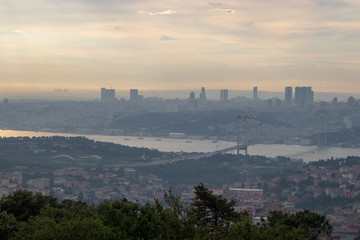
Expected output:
(85, 45)
(154, 119)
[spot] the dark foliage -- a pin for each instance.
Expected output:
(208, 217)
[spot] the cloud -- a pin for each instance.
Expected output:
(214, 4)
(331, 3)
(166, 38)
(225, 11)
(19, 31)
(166, 12)
(298, 36)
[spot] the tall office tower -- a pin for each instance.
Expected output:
(288, 95)
(192, 97)
(202, 97)
(107, 95)
(134, 95)
(304, 96)
(255, 95)
(335, 101)
(224, 95)
(351, 101)
(192, 101)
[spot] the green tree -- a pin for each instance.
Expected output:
(119, 215)
(45, 228)
(305, 224)
(181, 219)
(24, 204)
(211, 210)
(208, 217)
(82, 228)
(243, 229)
(39, 228)
(144, 221)
(281, 231)
(313, 223)
(72, 221)
(8, 225)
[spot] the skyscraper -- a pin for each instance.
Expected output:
(202, 97)
(192, 97)
(288, 95)
(192, 101)
(304, 96)
(224, 95)
(255, 93)
(134, 95)
(335, 101)
(107, 95)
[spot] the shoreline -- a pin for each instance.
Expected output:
(307, 153)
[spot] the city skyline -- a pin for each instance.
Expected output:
(172, 45)
(212, 94)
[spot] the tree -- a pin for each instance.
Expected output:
(313, 223)
(24, 204)
(8, 225)
(208, 217)
(119, 215)
(43, 228)
(179, 219)
(306, 224)
(69, 220)
(212, 210)
(244, 230)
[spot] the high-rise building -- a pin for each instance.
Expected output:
(107, 95)
(134, 95)
(255, 93)
(288, 95)
(335, 101)
(352, 101)
(172, 105)
(277, 102)
(192, 97)
(192, 101)
(202, 97)
(224, 96)
(304, 96)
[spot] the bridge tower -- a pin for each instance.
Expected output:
(238, 120)
(324, 116)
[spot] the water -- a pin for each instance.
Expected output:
(307, 153)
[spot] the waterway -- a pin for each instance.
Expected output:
(307, 153)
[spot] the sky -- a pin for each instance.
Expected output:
(173, 44)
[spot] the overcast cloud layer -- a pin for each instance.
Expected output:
(172, 44)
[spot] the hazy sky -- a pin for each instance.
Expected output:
(146, 44)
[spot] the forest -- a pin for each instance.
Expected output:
(27, 215)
